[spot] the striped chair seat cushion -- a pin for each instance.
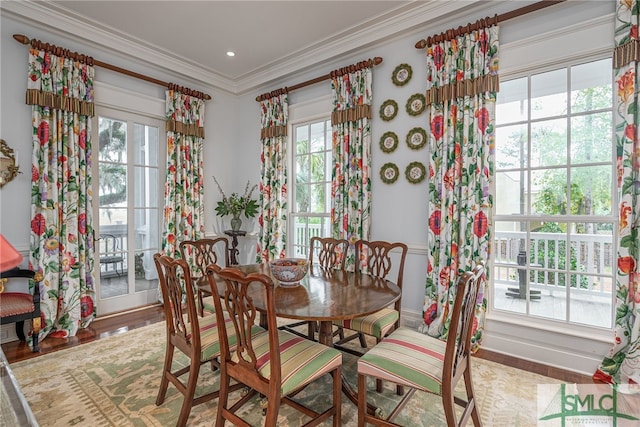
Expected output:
(207, 305)
(302, 360)
(376, 324)
(407, 357)
(210, 345)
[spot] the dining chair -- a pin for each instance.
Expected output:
(374, 258)
(194, 335)
(275, 363)
(327, 253)
(421, 362)
(199, 254)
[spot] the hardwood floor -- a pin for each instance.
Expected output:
(101, 327)
(119, 323)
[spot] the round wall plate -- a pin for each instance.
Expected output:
(416, 138)
(389, 142)
(415, 172)
(388, 110)
(389, 173)
(416, 104)
(401, 74)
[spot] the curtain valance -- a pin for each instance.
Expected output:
(460, 89)
(351, 114)
(626, 53)
(59, 102)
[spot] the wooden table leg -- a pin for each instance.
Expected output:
(325, 336)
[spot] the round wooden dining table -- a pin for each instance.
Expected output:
(325, 295)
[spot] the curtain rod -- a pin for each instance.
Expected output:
(371, 62)
(508, 15)
(20, 38)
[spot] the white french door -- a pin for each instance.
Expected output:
(127, 194)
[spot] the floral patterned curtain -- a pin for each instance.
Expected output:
(272, 237)
(622, 364)
(60, 91)
(462, 82)
(183, 192)
(350, 179)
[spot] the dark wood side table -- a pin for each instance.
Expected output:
(233, 251)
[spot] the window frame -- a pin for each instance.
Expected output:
(547, 323)
(313, 111)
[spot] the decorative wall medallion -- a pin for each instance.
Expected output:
(415, 172)
(389, 173)
(416, 104)
(388, 142)
(401, 74)
(388, 110)
(416, 138)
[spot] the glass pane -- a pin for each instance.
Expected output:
(549, 94)
(591, 86)
(146, 232)
(549, 143)
(318, 202)
(300, 231)
(591, 138)
(302, 169)
(550, 304)
(112, 140)
(302, 140)
(548, 251)
(591, 190)
(591, 308)
(145, 272)
(112, 255)
(510, 237)
(549, 192)
(511, 147)
(547, 260)
(511, 103)
(302, 198)
(145, 143)
(511, 193)
(146, 193)
(112, 162)
(317, 137)
(317, 167)
(113, 185)
(592, 252)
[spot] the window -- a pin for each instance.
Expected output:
(555, 222)
(310, 213)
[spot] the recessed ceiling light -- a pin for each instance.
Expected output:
(231, 53)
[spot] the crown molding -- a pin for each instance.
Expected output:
(402, 21)
(47, 15)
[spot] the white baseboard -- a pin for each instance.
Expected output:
(8, 333)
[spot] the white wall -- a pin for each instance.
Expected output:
(232, 149)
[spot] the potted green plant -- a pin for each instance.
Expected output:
(235, 205)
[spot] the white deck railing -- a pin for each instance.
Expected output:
(592, 254)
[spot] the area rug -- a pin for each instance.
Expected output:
(114, 382)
